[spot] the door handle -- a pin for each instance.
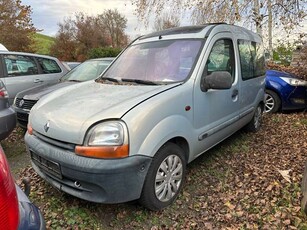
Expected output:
(235, 93)
(38, 80)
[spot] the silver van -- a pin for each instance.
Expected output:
(168, 97)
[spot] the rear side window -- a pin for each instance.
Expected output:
(17, 65)
(221, 58)
(251, 59)
(48, 65)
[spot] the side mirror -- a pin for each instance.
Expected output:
(216, 80)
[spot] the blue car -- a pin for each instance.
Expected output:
(16, 211)
(284, 91)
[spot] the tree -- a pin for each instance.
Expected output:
(166, 21)
(77, 36)
(261, 14)
(115, 24)
(65, 44)
(16, 27)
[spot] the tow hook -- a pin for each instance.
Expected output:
(26, 181)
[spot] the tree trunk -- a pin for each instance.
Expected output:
(270, 23)
(257, 17)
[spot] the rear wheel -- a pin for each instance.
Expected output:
(165, 178)
(272, 102)
(255, 124)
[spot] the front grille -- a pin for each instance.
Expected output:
(54, 142)
(24, 103)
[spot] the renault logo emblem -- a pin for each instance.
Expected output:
(46, 126)
(21, 103)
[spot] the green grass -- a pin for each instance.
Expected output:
(43, 43)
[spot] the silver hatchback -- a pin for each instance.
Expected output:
(20, 71)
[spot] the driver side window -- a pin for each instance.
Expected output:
(221, 58)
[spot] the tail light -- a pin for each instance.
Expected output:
(9, 210)
(3, 91)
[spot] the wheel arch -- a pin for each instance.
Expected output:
(275, 90)
(175, 129)
(183, 144)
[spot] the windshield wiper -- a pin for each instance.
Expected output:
(117, 80)
(73, 80)
(139, 81)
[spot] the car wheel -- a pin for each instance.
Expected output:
(165, 178)
(272, 102)
(255, 124)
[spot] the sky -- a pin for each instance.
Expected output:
(47, 14)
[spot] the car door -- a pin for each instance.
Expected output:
(20, 72)
(217, 111)
(252, 74)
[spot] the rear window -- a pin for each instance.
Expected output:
(48, 65)
(252, 59)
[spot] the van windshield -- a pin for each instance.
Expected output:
(157, 62)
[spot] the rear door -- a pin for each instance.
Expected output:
(252, 74)
(23, 72)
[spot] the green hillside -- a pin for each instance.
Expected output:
(42, 43)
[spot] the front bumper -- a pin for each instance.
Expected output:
(96, 180)
(295, 98)
(22, 117)
(7, 121)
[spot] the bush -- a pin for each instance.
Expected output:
(101, 52)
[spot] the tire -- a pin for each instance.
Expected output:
(255, 124)
(163, 183)
(272, 102)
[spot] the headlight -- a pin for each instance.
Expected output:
(294, 81)
(107, 133)
(106, 140)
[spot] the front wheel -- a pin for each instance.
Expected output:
(255, 124)
(272, 102)
(165, 178)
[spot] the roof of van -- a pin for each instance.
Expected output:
(203, 31)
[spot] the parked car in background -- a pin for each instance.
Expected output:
(168, 98)
(88, 70)
(16, 211)
(3, 48)
(72, 65)
(7, 114)
(20, 71)
(284, 91)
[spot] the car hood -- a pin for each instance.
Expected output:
(37, 92)
(70, 111)
(277, 73)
